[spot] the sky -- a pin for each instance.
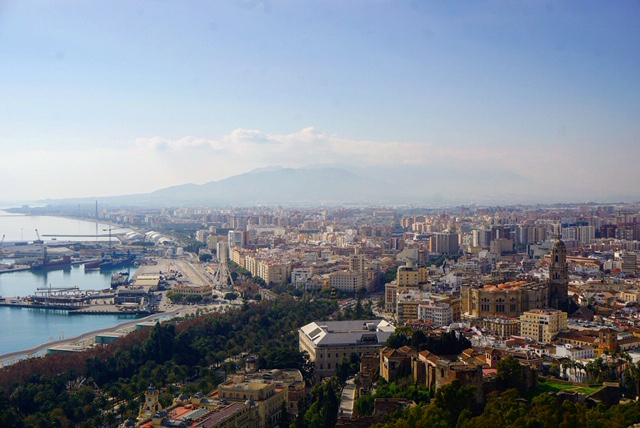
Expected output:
(118, 97)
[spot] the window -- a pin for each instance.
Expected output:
(329, 366)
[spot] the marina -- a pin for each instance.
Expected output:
(24, 324)
(76, 302)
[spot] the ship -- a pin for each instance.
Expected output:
(93, 265)
(47, 264)
(116, 263)
(119, 278)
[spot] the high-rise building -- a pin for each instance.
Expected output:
(236, 238)
(445, 243)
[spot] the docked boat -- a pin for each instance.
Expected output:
(119, 278)
(47, 264)
(116, 263)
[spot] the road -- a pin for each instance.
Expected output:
(347, 400)
(192, 272)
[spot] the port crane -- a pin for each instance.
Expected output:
(44, 249)
(1, 242)
(104, 230)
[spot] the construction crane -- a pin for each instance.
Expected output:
(104, 230)
(44, 249)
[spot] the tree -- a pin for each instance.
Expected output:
(231, 296)
(347, 367)
(193, 298)
(257, 280)
(389, 275)
(418, 339)
(205, 257)
(511, 374)
(175, 297)
(285, 420)
(453, 399)
(326, 403)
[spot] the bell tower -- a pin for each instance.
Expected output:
(559, 277)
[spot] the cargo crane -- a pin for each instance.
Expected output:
(1, 242)
(44, 249)
(104, 230)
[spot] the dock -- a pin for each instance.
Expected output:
(75, 302)
(87, 309)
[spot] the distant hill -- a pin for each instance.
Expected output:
(273, 185)
(284, 185)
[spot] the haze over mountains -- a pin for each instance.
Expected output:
(332, 185)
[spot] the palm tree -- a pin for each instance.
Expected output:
(578, 365)
(591, 369)
(566, 364)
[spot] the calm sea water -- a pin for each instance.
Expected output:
(18, 227)
(25, 328)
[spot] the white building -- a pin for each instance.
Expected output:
(439, 313)
(236, 238)
(574, 353)
(300, 276)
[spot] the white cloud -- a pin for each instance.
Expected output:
(312, 146)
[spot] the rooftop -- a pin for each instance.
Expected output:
(333, 333)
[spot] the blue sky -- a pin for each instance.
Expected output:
(103, 98)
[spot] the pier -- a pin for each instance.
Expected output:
(119, 236)
(77, 302)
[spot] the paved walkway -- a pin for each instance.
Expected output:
(12, 356)
(347, 401)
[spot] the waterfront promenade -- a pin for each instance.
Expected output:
(12, 357)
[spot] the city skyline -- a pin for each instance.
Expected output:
(525, 99)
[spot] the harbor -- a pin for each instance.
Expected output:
(64, 296)
(77, 302)
(25, 323)
(87, 339)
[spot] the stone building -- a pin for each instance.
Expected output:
(559, 277)
(392, 361)
(328, 342)
(508, 299)
(513, 298)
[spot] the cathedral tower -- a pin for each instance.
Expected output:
(559, 277)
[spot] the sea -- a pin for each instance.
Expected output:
(25, 328)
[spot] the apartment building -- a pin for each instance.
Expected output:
(439, 313)
(349, 281)
(542, 325)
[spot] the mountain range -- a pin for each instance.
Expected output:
(272, 185)
(336, 185)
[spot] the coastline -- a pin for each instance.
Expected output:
(15, 212)
(8, 357)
